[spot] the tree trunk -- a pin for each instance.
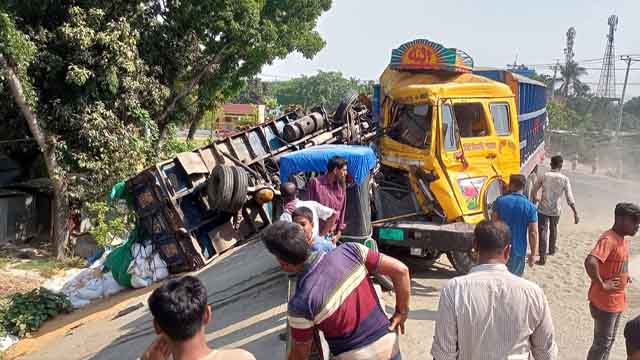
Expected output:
(47, 147)
(195, 120)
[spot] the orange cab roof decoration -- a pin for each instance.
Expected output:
(422, 54)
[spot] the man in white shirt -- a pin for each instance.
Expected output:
(291, 202)
(490, 313)
(554, 184)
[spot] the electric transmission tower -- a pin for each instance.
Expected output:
(568, 59)
(607, 84)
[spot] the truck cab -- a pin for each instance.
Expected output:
(451, 141)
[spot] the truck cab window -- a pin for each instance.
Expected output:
(411, 125)
(471, 120)
(449, 129)
(500, 115)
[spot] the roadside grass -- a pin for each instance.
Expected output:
(5, 260)
(49, 267)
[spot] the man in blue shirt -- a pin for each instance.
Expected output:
(522, 217)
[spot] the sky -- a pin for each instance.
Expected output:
(360, 35)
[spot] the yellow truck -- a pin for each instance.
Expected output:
(452, 137)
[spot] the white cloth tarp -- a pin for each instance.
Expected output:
(147, 267)
(87, 285)
(7, 341)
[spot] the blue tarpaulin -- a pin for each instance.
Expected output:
(360, 160)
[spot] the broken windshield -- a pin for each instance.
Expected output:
(411, 125)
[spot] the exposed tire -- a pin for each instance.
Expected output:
(220, 187)
(345, 106)
(385, 282)
(462, 261)
(241, 182)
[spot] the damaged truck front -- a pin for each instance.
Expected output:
(453, 138)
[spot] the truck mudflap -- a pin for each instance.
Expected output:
(425, 235)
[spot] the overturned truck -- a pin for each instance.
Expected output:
(186, 205)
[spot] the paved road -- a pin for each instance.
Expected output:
(247, 293)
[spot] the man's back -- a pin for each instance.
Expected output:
(518, 212)
(492, 314)
(554, 185)
(336, 295)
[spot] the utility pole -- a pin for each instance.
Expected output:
(628, 60)
(555, 75)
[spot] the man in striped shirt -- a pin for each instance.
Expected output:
(335, 295)
(490, 313)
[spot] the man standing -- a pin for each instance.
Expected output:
(289, 193)
(522, 217)
(554, 184)
(180, 314)
(608, 267)
(335, 295)
(490, 313)
(330, 190)
(632, 338)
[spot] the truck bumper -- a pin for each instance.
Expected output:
(425, 235)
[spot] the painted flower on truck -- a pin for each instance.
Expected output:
(470, 189)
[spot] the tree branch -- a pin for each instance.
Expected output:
(209, 67)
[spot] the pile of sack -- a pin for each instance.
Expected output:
(98, 281)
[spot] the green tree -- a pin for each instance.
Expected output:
(87, 99)
(99, 83)
(571, 73)
(220, 43)
(326, 88)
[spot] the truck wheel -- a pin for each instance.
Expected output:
(345, 106)
(241, 182)
(385, 282)
(462, 261)
(220, 187)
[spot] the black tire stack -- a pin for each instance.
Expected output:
(227, 188)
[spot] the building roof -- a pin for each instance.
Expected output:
(244, 109)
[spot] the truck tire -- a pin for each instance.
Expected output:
(462, 261)
(220, 187)
(241, 183)
(345, 105)
(384, 281)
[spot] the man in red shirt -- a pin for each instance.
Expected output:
(330, 190)
(608, 268)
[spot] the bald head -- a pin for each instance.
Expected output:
(289, 191)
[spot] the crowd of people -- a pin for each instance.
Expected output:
(490, 313)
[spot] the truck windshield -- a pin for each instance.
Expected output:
(411, 124)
